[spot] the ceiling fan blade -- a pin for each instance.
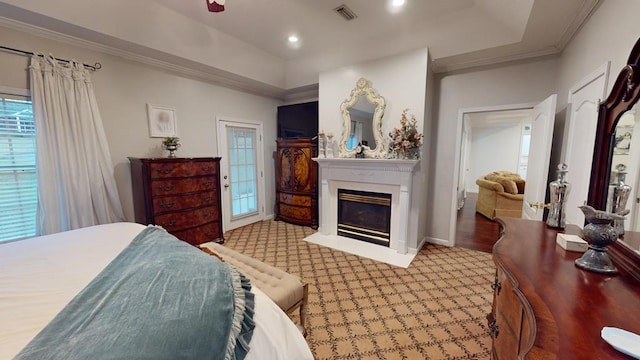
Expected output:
(215, 5)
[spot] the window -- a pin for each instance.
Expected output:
(524, 150)
(18, 182)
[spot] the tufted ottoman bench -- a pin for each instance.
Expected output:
(286, 290)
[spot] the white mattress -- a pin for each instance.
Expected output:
(39, 276)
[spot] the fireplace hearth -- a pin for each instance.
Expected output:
(365, 216)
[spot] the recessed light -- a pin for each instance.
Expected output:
(293, 39)
(397, 3)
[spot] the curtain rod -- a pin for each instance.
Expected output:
(94, 67)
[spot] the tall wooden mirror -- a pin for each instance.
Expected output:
(618, 105)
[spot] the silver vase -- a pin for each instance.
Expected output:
(559, 190)
(172, 150)
(619, 195)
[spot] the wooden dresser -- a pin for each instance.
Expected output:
(180, 194)
(545, 307)
(297, 182)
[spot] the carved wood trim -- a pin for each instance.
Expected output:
(624, 95)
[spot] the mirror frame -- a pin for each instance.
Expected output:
(624, 95)
(363, 87)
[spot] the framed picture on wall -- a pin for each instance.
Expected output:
(162, 121)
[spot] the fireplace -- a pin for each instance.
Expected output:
(365, 216)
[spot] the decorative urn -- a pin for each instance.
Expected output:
(599, 233)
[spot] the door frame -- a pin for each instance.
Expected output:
(224, 166)
(456, 166)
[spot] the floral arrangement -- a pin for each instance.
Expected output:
(171, 141)
(406, 141)
(171, 144)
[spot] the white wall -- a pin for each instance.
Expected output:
(402, 81)
(607, 36)
(500, 85)
(495, 148)
(123, 88)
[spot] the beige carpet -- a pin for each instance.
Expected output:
(362, 309)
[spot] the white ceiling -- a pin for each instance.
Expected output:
(248, 39)
(449, 28)
(268, 23)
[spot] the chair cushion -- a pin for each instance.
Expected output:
(285, 289)
(520, 184)
(509, 186)
(508, 180)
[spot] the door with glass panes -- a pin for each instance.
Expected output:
(242, 174)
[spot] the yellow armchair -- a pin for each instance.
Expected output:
(501, 193)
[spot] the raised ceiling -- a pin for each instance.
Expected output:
(247, 42)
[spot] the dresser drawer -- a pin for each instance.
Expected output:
(202, 234)
(183, 186)
(185, 219)
(183, 202)
(299, 200)
(294, 212)
(171, 170)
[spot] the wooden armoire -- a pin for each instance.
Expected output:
(297, 182)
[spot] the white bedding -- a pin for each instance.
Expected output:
(39, 276)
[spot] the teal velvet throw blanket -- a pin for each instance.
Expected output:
(160, 298)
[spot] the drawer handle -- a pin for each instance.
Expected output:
(208, 198)
(165, 171)
(168, 205)
(207, 183)
(496, 286)
(170, 223)
(209, 214)
(166, 188)
(210, 233)
(207, 168)
(494, 329)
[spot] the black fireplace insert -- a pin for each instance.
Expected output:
(365, 216)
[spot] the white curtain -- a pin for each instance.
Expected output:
(76, 187)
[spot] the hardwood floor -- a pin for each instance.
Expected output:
(474, 231)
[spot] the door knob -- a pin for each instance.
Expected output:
(226, 186)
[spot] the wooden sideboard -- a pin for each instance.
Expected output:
(297, 182)
(545, 307)
(180, 194)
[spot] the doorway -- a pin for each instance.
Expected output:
(499, 125)
(242, 172)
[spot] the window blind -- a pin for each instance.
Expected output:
(18, 182)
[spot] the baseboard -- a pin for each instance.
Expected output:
(420, 245)
(268, 217)
(438, 241)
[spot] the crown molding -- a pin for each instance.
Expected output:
(449, 64)
(307, 92)
(210, 75)
(441, 65)
(576, 24)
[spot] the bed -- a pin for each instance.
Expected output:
(40, 276)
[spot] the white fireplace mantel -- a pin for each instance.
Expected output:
(363, 173)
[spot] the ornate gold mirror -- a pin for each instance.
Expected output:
(362, 116)
(615, 145)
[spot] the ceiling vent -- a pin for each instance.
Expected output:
(345, 12)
